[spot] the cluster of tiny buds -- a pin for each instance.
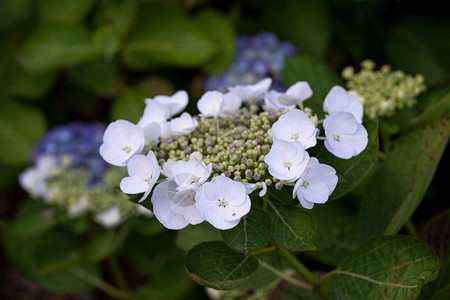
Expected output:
(235, 147)
(383, 91)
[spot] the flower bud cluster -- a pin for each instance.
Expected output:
(228, 151)
(70, 173)
(384, 91)
(257, 57)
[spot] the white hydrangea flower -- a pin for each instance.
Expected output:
(183, 125)
(174, 209)
(121, 140)
(190, 174)
(144, 172)
(295, 125)
(231, 103)
(110, 218)
(316, 184)
(272, 101)
(175, 103)
(251, 92)
(211, 104)
(345, 136)
(34, 179)
(222, 202)
(338, 99)
(286, 160)
(296, 94)
(154, 112)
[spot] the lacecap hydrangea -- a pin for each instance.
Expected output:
(257, 57)
(204, 167)
(69, 172)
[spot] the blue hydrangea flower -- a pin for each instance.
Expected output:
(79, 143)
(257, 57)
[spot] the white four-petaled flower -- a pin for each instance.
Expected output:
(293, 126)
(222, 202)
(345, 136)
(121, 140)
(183, 125)
(286, 160)
(190, 174)
(316, 184)
(211, 104)
(338, 99)
(144, 172)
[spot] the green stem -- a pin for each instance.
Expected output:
(286, 277)
(117, 273)
(301, 270)
(411, 228)
(100, 284)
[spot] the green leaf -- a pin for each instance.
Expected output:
(387, 267)
(170, 38)
(119, 14)
(56, 45)
(252, 233)
(13, 12)
(401, 181)
(190, 236)
(428, 38)
(435, 233)
(52, 260)
(100, 76)
(70, 11)
(32, 85)
(33, 219)
(220, 29)
(213, 264)
(292, 227)
(129, 105)
(336, 233)
(108, 39)
(352, 171)
(304, 23)
(21, 127)
(102, 245)
(435, 105)
(319, 76)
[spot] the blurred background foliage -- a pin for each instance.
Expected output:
(62, 61)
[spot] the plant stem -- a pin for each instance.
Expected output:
(411, 228)
(117, 273)
(286, 277)
(100, 284)
(301, 270)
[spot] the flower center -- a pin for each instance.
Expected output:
(305, 184)
(127, 149)
(294, 136)
(287, 165)
(336, 137)
(222, 203)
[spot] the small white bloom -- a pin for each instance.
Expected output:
(183, 125)
(110, 218)
(222, 202)
(231, 103)
(338, 99)
(295, 125)
(286, 160)
(211, 104)
(121, 140)
(175, 103)
(76, 209)
(174, 209)
(191, 174)
(296, 94)
(251, 92)
(34, 179)
(316, 184)
(154, 112)
(272, 101)
(345, 136)
(250, 187)
(144, 172)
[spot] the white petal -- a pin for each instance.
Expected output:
(316, 192)
(305, 203)
(134, 185)
(161, 207)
